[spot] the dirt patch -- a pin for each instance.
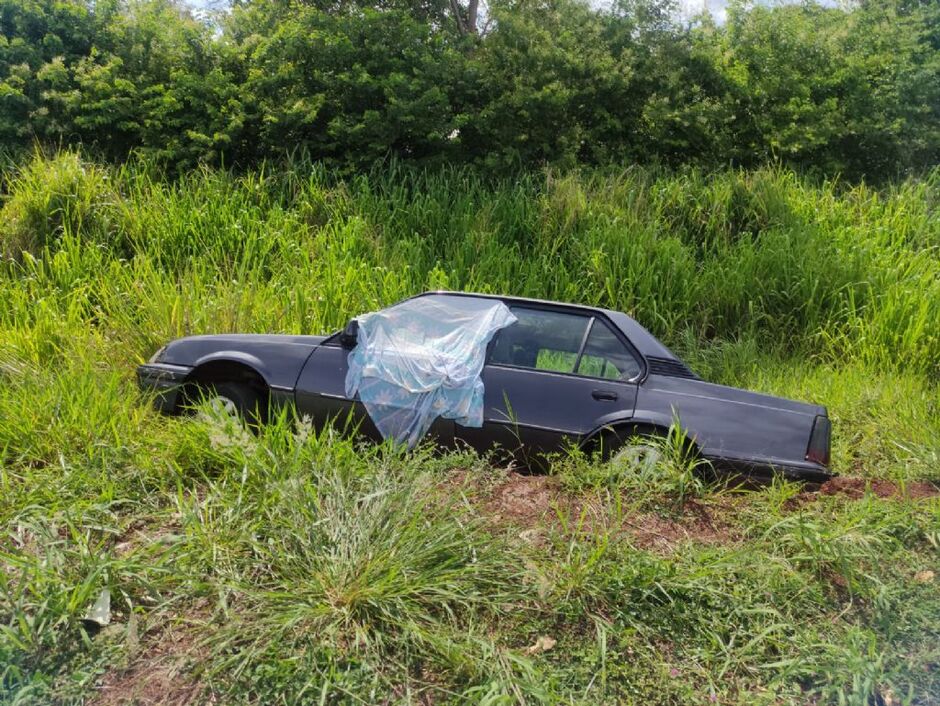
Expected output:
(525, 500)
(856, 487)
(158, 675)
(531, 503)
(534, 502)
(154, 533)
(697, 522)
(799, 501)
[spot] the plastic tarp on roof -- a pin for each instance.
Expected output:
(422, 359)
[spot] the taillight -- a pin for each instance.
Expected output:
(818, 449)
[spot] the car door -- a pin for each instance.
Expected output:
(550, 378)
(321, 394)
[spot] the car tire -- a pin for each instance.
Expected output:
(635, 447)
(235, 399)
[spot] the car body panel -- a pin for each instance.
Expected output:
(277, 358)
(729, 424)
(529, 412)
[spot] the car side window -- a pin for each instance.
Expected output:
(605, 356)
(540, 339)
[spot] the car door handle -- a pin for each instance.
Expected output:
(604, 395)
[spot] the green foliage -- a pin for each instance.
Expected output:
(545, 76)
(833, 92)
(293, 566)
(118, 76)
(351, 88)
(835, 274)
(852, 92)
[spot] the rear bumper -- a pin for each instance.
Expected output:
(760, 470)
(166, 381)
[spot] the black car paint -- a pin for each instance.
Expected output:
(530, 411)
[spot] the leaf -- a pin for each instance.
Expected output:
(543, 644)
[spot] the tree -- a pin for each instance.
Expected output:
(350, 87)
(512, 84)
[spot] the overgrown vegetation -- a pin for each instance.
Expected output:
(851, 91)
(291, 567)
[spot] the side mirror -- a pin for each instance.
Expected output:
(350, 335)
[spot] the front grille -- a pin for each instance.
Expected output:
(670, 368)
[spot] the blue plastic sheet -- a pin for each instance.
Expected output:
(422, 359)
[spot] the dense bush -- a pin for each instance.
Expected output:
(556, 82)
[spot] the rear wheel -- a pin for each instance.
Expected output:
(636, 448)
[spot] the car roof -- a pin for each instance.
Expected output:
(645, 342)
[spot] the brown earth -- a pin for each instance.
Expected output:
(855, 488)
(698, 522)
(530, 502)
(525, 500)
(158, 674)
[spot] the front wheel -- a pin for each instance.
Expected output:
(236, 400)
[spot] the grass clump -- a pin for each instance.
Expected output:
(52, 198)
(658, 473)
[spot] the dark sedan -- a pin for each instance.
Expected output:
(561, 374)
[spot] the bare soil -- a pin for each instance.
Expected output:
(158, 674)
(698, 522)
(855, 488)
(530, 502)
(525, 500)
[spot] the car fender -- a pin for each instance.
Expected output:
(641, 418)
(247, 359)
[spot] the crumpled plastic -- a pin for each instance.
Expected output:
(422, 359)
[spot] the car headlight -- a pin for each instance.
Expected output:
(158, 356)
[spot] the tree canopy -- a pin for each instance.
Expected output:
(517, 83)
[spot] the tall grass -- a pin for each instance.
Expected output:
(298, 567)
(810, 268)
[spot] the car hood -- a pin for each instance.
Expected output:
(189, 350)
(253, 338)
